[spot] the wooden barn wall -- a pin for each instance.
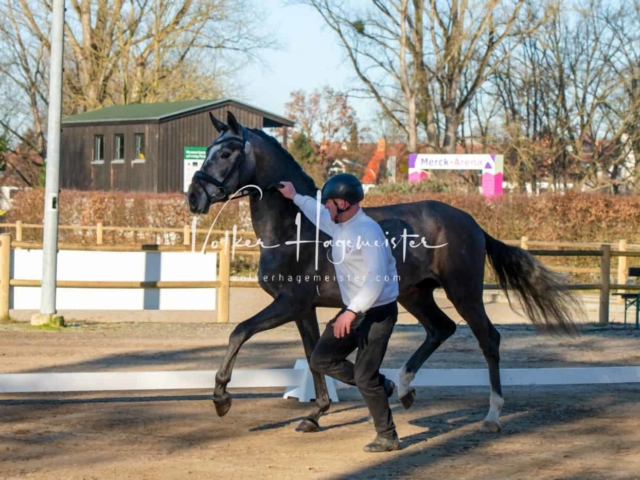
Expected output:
(191, 131)
(75, 158)
(78, 171)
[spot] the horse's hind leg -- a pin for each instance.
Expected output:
(310, 333)
(471, 308)
(421, 304)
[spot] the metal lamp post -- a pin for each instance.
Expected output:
(51, 203)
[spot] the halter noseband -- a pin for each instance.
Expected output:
(221, 192)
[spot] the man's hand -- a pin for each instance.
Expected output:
(342, 325)
(287, 190)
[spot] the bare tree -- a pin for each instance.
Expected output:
(426, 59)
(621, 112)
(377, 43)
(23, 63)
(568, 98)
(125, 51)
(324, 116)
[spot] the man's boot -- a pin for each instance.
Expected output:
(383, 444)
(389, 387)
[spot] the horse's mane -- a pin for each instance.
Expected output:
(306, 180)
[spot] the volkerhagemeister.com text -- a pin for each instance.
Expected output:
(326, 278)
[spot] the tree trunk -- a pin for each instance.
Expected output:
(412, 125)
(138, 93)
(452, 122)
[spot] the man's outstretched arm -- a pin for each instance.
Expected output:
(309, 206)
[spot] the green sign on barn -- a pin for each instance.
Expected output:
(194, 157)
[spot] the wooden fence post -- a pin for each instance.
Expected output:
(605, 273)
(224, 272)
(622, 267)
(19, 231)
(5, 274)
(187, 232)
(99, 233)
(524, 243)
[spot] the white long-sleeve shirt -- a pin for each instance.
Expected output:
(365, 267)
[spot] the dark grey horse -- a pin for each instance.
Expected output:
(240, 157)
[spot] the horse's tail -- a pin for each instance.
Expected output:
(543, 294)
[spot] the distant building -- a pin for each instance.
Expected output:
(152, 147)
(335, 168)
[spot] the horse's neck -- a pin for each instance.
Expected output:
(273, 217)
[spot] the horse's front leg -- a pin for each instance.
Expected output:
(282, 310)
(310, 333)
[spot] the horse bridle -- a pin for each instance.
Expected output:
(221, 192)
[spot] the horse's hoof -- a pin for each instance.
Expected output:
(222, 403)
(490, 427)
(408, 398)
(307, 426)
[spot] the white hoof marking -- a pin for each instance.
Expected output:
(404, 382)
(496, 402)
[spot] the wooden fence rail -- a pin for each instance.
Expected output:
(225, 282)
(99, 228)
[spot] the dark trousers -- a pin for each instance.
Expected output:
(370, 334)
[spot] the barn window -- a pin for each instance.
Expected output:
(118, 146)
(140, 146)
(98, 148)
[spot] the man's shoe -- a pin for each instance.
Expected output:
(383, 444)
(389, 387)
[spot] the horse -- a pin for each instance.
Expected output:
(292, 248)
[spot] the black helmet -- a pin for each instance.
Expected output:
(344, 186)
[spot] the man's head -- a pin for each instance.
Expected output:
(340, 194)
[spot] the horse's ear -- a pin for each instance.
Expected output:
(217, 124)
(233, 123)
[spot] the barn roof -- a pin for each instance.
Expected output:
(161, 112)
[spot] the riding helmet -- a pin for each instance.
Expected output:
(344, 186)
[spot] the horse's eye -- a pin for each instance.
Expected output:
(225, 155)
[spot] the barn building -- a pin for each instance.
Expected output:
(153, 147)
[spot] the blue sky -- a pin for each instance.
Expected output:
(310, 57)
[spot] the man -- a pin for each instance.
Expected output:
(366, 274)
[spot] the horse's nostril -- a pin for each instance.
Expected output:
(193, 199)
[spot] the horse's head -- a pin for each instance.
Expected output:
(228, 166)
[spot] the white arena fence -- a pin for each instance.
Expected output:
(298, 382)
(144, 267)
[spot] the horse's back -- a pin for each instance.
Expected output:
(435, 224)
(427, 217)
